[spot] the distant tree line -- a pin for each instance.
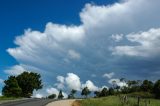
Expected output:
(144, 88)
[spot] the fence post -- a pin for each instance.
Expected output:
(149, 101)
(145, 102)
(138, 102)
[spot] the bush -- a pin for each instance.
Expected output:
(53, 96)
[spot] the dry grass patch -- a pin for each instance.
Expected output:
(76, 103)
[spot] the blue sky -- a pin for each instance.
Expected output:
(18, 15)
(80, 43)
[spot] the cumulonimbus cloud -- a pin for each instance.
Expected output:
(88, 48)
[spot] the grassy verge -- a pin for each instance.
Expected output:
(115, 101)
(7, 99)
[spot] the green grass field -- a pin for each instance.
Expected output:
(115, 101)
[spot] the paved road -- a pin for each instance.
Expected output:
(30, 102)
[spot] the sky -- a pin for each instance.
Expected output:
(75, 43)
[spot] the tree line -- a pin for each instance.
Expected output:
(145, 89)
(24, 84)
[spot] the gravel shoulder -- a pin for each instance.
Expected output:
(62, 103)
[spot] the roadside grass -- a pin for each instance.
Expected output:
(115, 101)
(7, 99)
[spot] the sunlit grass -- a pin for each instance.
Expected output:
(115, 101)
(4, 98)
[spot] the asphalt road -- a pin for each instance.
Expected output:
(29, 102)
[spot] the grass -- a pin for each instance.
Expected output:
(6, 99)
(115, 101)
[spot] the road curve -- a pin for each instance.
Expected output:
(29, 102)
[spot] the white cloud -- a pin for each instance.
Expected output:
(55, 91)
(73, 54)
(90, 86)
(61, 82)
(65, 95)
(60, 79)
(117, 37)
(147, 43)
(15, 70)
(52, 91)
(59, 85)
(38, 95)
(117, 82)
(109, 75)
(103, 87)
(73, 81)
(91, 40)
(63, 32)
(0, 94)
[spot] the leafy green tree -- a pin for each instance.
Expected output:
(53, 96)
(11, 88)
(147, 86)
(71, 95)
(28, 82)
(60, 95)
(85, 92)
(156, 89)
(104, 92)
(125, 90)
(111, 91)
(97, 93)
(133, 86)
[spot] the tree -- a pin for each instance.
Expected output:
(28, 82)
(134, 86)
(104, 92)
(125, 90)
(60, 95)
(97, 93)
(11, 87)
(85, 92)
(53, 96)
(156, 89)
(147, 86)
(111, 91)
(71, 95)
